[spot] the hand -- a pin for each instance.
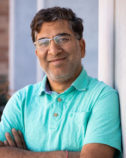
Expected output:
(18, 139)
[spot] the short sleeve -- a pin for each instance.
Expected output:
(104, 122)
(12, 116)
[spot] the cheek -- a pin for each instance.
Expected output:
(70, 50)
(75, 53)
(42, 59)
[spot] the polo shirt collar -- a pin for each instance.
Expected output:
(43, 85)
(81, 83)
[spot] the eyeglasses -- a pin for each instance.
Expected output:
(60, 40)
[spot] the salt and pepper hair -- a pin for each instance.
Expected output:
(54, 14)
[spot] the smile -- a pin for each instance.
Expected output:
(58, 60)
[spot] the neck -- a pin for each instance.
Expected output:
(59, 86)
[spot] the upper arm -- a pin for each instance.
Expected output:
(11, 117)
(95, 150)
(104, 123)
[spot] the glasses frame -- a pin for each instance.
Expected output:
(54, 39)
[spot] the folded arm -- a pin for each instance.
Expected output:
(17, 149)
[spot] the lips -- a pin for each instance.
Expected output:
(57, 60)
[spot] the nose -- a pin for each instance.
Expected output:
(54, 49)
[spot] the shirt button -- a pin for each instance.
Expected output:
(55, 114)
(59, 99)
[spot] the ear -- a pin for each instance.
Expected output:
(36, 52)
(82, 47)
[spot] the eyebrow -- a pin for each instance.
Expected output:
(60, 34)
(63, 34)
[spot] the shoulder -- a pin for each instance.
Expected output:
(99, 87)
(21, 96)
(98, 91)
(32, 89)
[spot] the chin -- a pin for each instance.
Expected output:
(60, 77)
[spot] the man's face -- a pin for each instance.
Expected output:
(60, 62)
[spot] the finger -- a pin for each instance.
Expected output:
(22, 138)
(9, 140)
(6, 143)
(17, 138)
(1, 143)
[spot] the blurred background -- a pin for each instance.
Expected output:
(4, 52)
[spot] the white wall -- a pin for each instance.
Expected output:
(106, 66)
(120, 62)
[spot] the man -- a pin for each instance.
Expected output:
(68, 114)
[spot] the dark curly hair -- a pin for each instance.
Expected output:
(53, 14)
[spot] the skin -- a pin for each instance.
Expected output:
(62, 66)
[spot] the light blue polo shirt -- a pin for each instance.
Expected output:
(87, 112)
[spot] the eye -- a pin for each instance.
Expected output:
(43, 42)
(61, 39)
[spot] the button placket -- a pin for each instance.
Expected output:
(59, 99)
(55, 114)
(57, 110)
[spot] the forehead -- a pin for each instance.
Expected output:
(50, 29)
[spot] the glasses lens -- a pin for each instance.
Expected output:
(61, 39)
(43, 42)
